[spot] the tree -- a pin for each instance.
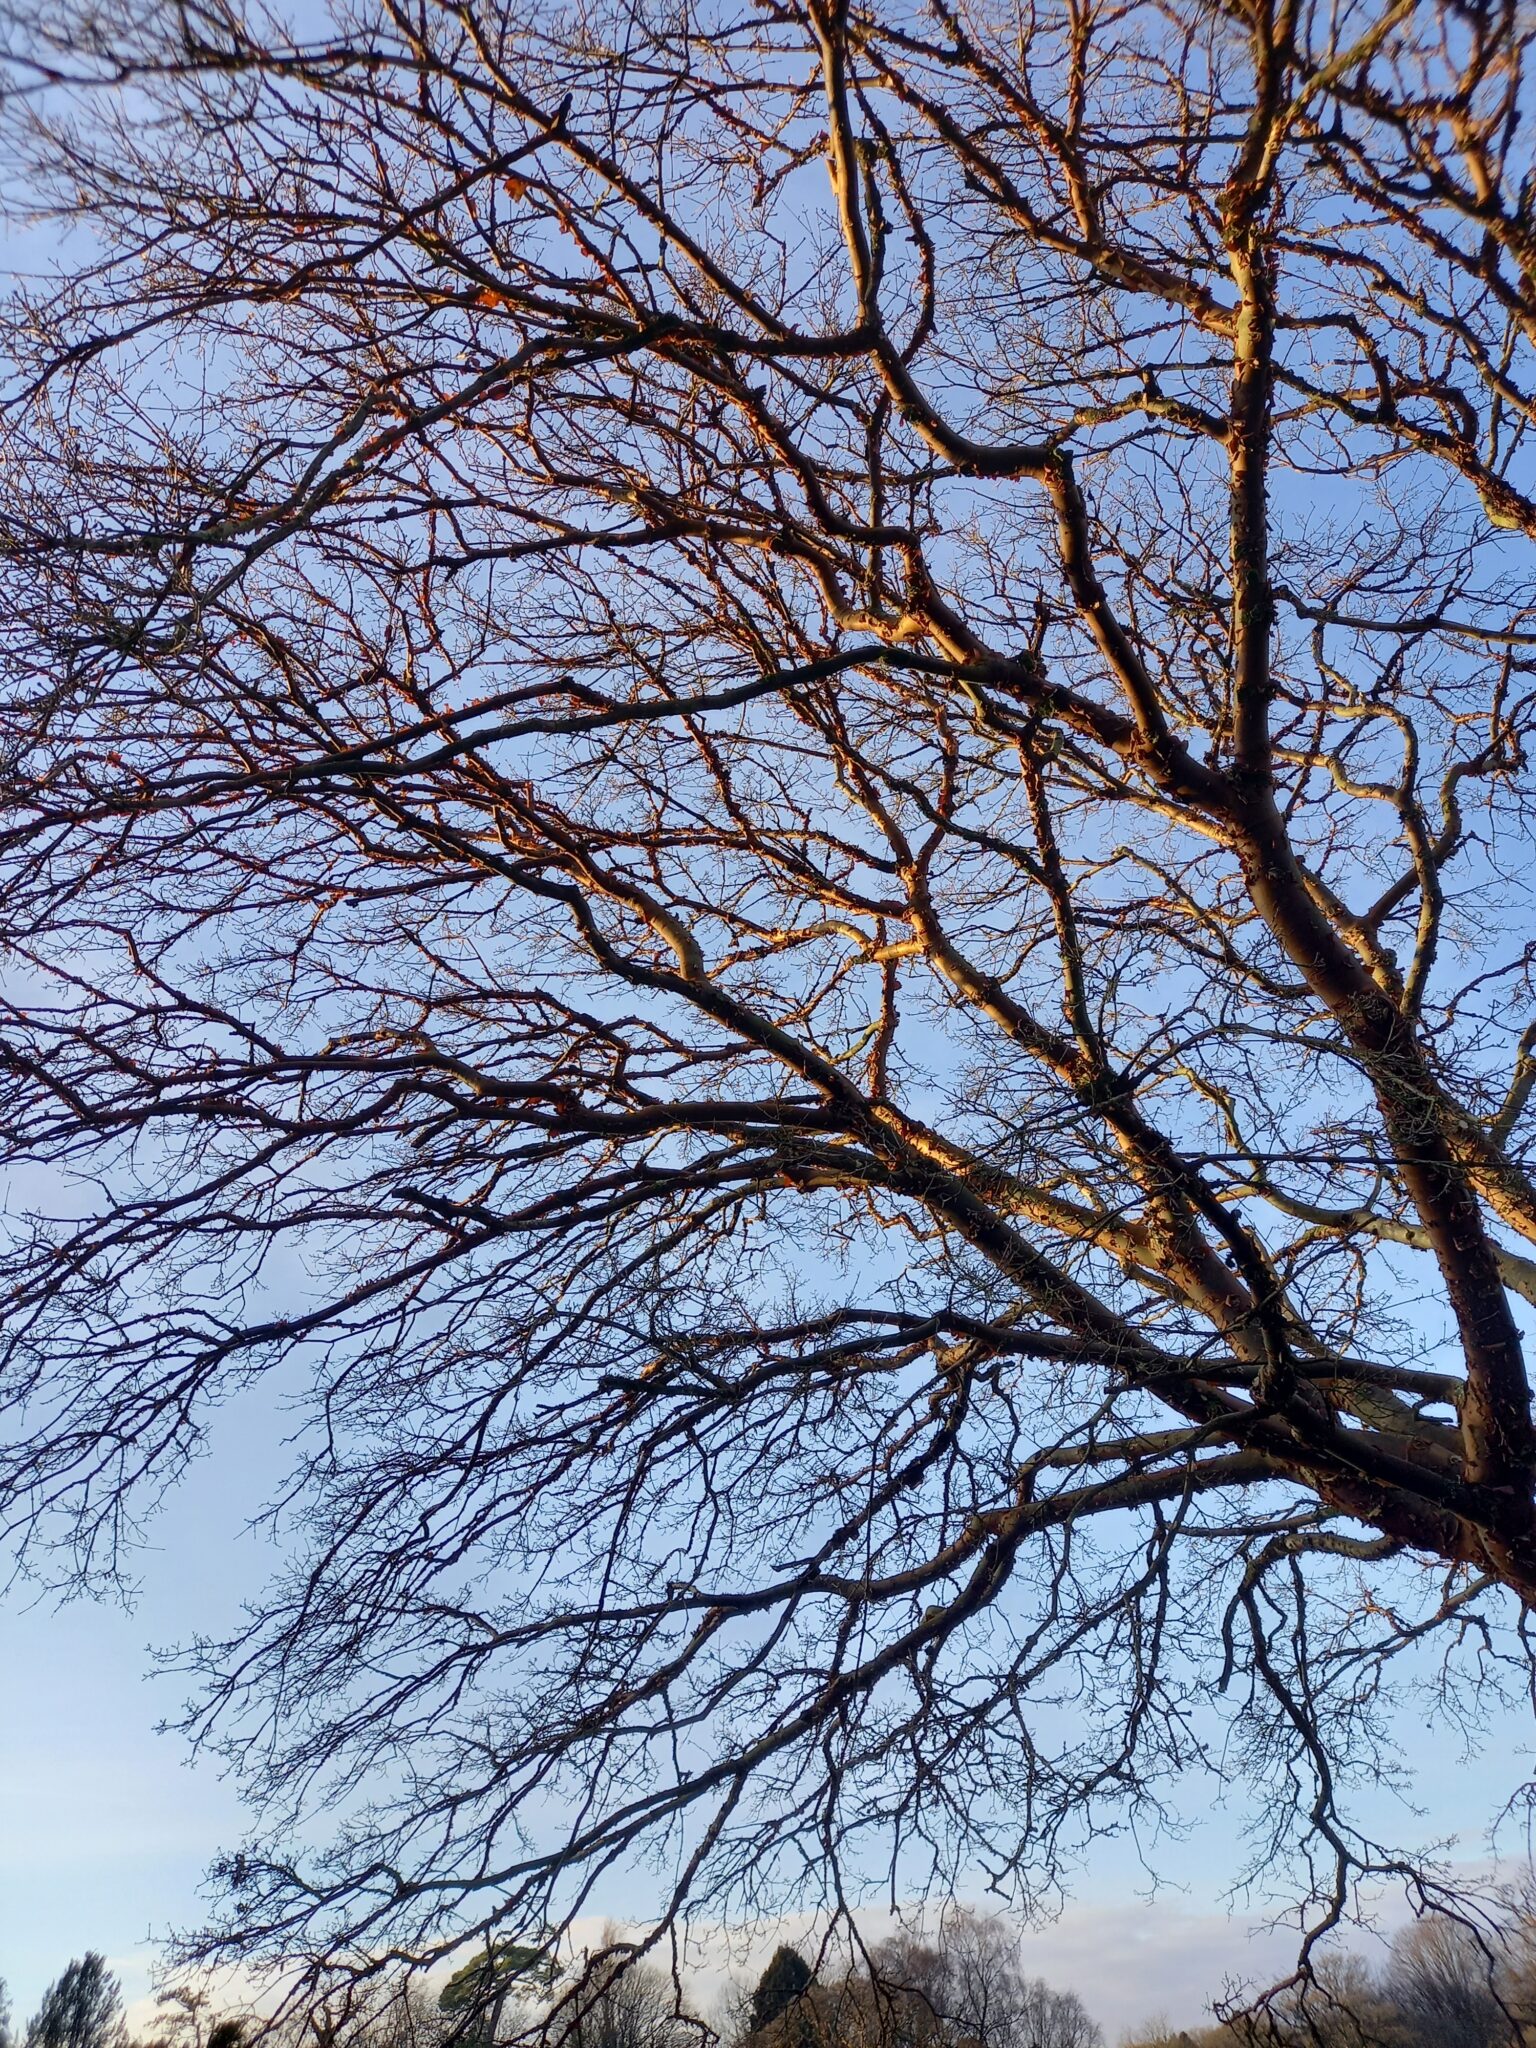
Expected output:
(81, 2009)
(968, 1990)
(1344, 2003)
(623, 2003)
(769, 769)
(475, 1996)
(5, 2016)
(192, 2019)
(395, 2011)
(1446, 1983)
(786, 1979)
(965, 1988)
(1442, 1978)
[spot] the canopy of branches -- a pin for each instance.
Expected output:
(767, 768)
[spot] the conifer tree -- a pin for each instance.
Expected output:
(787, 1978)
(81, 2009)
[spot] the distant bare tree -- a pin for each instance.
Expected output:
(1346, 2005)
(769, 769)
(967, 1988)
(1446, 1983)
(964, 1987)
(626, 2004)
(382, 2009)
(190, 2015)
(1442, 1978)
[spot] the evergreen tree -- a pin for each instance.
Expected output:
(474, 1996)
(5, 2016)
(788, 1977)
(83, 2009)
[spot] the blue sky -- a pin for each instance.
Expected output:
(105, 1825)
(105, 1828)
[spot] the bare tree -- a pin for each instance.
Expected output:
(769, 767)
(1446, 1983)
(968, 1989)
(1158, 2033)
(625, 2004)
(965, 1987)
(192, 2015)
(384, 2009)
(1347, 2004)
(1443, 1980)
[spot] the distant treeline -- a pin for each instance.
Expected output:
(965, 1989)
(1444, 1983)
